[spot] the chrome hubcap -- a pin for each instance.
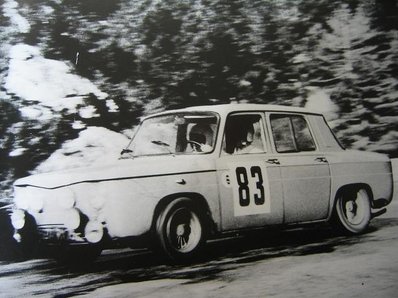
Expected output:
(355, 209)
(184, 230)
(180, 230)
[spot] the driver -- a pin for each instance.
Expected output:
(247, 141)
(201, 138)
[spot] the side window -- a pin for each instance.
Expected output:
(291, 133)
(244, 134)
(282, 132)
(302, 134)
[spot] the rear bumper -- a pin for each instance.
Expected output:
(378, 212)
(380, 203)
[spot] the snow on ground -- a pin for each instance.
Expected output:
(95, 145)
(48, 82)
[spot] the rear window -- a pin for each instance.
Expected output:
(325, 135)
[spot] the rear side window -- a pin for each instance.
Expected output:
(291, 133)
(325, 135)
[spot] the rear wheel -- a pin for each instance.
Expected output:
(352, 213)
(181, 230)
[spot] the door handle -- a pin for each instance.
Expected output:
(273, 161)
(321, 159)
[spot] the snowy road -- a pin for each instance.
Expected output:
(297, 263)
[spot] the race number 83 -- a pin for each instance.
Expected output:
(245, 196)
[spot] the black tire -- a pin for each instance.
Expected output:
(29, 245)
(352, 211)
(181, 230)
(9, 248)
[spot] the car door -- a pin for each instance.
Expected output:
(250, 189)
(304, 168)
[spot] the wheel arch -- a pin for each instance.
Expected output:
(196, 198)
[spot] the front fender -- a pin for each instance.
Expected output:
(127, 207)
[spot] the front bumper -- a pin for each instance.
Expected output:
(56, 234)
(25, 225)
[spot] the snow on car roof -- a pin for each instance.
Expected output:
(227, 108)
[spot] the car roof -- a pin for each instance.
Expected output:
(224, 109)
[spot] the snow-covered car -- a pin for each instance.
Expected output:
(197, 173)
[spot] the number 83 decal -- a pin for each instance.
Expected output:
(251, 191)
(243, 182)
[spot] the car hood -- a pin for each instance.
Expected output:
(121, 169)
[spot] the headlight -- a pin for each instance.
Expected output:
(22, 202)
(18, 219)
(94, 232)
(30, 198)
(72, 219)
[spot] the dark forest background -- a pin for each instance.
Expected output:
(152, 55)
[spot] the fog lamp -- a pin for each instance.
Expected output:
(94, 232)
(17, 237)
(18, 219)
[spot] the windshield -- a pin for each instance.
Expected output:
(180, 133)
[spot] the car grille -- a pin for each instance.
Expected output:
(52, 233)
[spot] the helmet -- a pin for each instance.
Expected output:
(201, 133)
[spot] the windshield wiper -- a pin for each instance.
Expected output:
(164, 144)
(124, 151)
(160, 143)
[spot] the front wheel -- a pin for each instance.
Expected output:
(352, 213)
(181, 230)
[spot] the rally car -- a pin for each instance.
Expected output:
(197, 173)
